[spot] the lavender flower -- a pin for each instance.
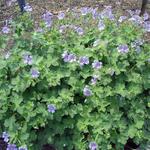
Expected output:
(93, 146)
(71, 58)
(11, 147)
(28, 8)
(146, 16)
(123, 48)
(136, 19)
(94, 13)
(47, 17)
(5, 136)
(61, 15)
(96, 64)
(130, 12)
(147, 26)
(62, 28)
(84, 60)
(84, 11)
(65, 56)
(22, 148)
(87, 91)
(51, 108)
(27, 59)
(68, 57)
(79, 30)
(35, 73)
(94, 79)
(107, 13)
(5, 29)
(137, 12)
(122, 18)
(101, 25)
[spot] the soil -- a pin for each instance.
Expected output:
(56, 5)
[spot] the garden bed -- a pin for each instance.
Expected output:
(76, 79)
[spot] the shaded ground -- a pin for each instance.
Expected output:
(39, 6)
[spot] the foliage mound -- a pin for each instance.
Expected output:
(81, 80)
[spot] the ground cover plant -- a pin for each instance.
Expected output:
(78, 80)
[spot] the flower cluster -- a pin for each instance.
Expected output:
(137, 45)
(5, 29)
(47, 17)
(77, 29)
(123, 48)
(5, 137)
(27, 58)
(68, 57)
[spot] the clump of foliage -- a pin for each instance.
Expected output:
(80, 81)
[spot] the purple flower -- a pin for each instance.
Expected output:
(28, 8)
(146, 16)
(65, 56)
(147, 26)
(87, 91)
(47, 17)
(93, 146)
(84, 60)
(51, 108)
(11, 147)
(27, 59)
(35, 73)
(84, 11)
(97, 65)
(61, 15)
(107, 13)
(136, 19)
(5, 29)
(123, 48)
(5, 136)
(79, 30)
(94, 79)
(130, 12)
(68, 57)
(101, 25)
(62, 28)
(94, 13)
(22, 148)
(122, 18)
(71, 58)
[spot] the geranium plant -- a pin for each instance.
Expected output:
(79, 81)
